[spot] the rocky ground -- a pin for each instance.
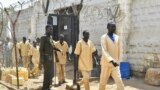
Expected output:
(130, 84)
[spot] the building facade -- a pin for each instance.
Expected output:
(137, 25)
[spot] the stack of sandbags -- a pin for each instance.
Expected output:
(13, 71)
(13, 79)
(4, 72)
(152, 76)
(9, 78)
(9, 75)
(23, 72)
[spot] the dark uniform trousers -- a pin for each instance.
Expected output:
(48, 73)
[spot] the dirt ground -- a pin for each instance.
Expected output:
(3, 87)
(134, 83)
(130, 84)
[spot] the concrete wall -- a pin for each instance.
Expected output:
(94, 18)
(31, 23)
(23, 26)
(138, 30)
(144, 42)
(137, 25)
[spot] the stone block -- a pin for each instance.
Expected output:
(138, 74)
(155, 64)
(152, 76)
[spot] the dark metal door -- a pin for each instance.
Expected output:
(67, 25)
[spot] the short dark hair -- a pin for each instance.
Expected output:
(24, 37)
(85, 31)
(110, 24)
(47, 26)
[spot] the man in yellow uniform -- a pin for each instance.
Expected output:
(84, 50)
(62, 58)
(34, 59)
(110, 59)
(23, 51)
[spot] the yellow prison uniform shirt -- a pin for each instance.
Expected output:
(62, 57)
(25, 47)
(85, 63)
(34, 52)
(110, 51)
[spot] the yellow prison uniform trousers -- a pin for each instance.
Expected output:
(25, 60)
(61, 72)
(85, 79)
(110, 51)
(106, 72)
(85, 63)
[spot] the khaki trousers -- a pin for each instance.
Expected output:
(85, 79)
(61, 72)
(25, 60)
(106, 72)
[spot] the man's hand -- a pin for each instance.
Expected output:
(68, 57)
(114, 63)
(76, 61)
(56, 57)
(111, 65)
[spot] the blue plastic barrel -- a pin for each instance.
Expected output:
(125, 70)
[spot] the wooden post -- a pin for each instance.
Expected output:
(14, 41)
(45, 8)
(76, 11)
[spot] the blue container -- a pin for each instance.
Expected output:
(125, 70)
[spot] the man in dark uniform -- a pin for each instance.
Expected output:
(46, 57)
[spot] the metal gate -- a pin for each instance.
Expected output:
(67, 25)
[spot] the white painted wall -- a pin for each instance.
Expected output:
(144, 43)
(139, 28)
(93, 17)
(31, 23)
